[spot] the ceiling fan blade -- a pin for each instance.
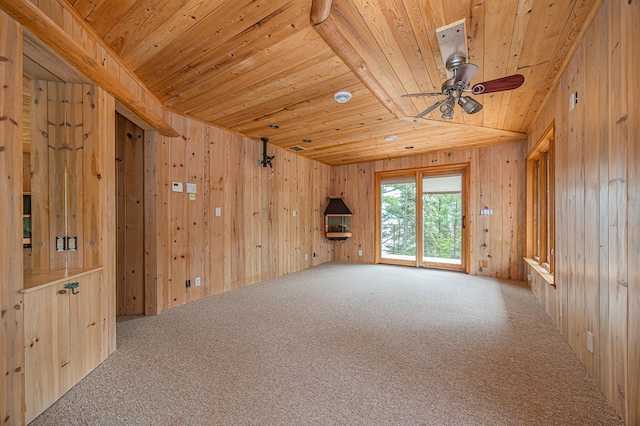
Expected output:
(431, 108)
(465, 73)
(499, 84)
(415, 95)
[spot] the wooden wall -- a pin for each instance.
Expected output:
(496, 182)
(597, 205)
(256, 237)
(11, 273)
(130, 217)
(65, 150)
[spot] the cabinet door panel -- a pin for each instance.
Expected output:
(85, 326)
(45, 340)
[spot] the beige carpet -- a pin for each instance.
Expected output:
(343, 344)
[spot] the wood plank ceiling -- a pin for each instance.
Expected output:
(247, 64)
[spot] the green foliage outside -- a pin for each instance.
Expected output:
(442, 225)
(441, 216)
(398, 219)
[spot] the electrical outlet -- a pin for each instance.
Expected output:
(198, 282)
(218, 211)
(314, 254)
(295, 213)
(187, 283)
(589, 341)
(561, 309)
(306, 257)
(359, 252)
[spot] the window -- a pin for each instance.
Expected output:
(540, 211)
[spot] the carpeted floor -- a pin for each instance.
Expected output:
(343, 344)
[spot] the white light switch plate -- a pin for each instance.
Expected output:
(177, 187)
(191, 188)
(218, 211)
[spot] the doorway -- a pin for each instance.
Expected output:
(129, 217)
(421, 217)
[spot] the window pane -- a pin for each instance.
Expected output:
(398, 218)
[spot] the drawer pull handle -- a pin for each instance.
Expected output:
(62, 291)
(72, 287)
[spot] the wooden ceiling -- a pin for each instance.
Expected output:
(247, 64)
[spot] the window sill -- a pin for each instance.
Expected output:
(543, 273)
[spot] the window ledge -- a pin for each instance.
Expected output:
(544, 274)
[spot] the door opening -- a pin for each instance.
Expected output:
(421, 217)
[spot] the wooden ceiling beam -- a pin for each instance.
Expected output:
(36, 21)
(327, 28)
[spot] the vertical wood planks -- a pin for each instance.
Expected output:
(597, 204)
(11, 273)
(616, 342)
(497, 178)
(130, 217)
(40, 236)
(631, 11)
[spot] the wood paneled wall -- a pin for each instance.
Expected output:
(270, 223)
(597, 205)
(130, 217)
(11, 273)
(496, 182)
(65, 150)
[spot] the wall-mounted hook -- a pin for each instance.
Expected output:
(73, 287)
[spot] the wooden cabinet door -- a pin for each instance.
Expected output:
(46, 354)
(85, 327)
(63, 341)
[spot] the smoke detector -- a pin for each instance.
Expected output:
(342, 97)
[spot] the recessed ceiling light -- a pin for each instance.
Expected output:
(390, 138)
(408, 147)
(306, 140)
(274, 126)
(342, 97)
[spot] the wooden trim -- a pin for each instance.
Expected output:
(536, 182)
(36, 21)
(541, 271)
(35, 282)
(419, 174)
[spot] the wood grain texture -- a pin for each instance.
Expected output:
(130, 218)
(63, 341)
(500, 250)
(596, 162)
(11, 274)
(44, 27)
(256, 236)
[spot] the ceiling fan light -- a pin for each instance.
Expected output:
(469, 105)
(447, 109)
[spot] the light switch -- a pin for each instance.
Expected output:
(191, 188)
(218, 211)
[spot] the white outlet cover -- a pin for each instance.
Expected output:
(295, 213)
(218, 211)
(198, 282)
(359, 252)
(177, 187)
(589, 341)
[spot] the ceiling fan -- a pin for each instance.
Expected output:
(453, 42)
